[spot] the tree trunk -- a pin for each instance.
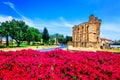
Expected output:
(7, 43)
(18, 43)
(0, 39)
(28, 42)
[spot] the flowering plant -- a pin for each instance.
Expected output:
(59, 65)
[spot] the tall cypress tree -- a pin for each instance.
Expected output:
(45, 35)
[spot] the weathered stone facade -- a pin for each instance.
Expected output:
(87, 34)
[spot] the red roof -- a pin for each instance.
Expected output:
(105, 39)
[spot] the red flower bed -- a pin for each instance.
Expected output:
(59, 65)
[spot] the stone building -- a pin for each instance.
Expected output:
(87, 34)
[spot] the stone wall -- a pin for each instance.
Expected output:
(87, 34)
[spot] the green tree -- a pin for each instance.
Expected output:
(5, 30)
(59, 38)
(18, 31)
(37, 35)
(68, 38)
(52, 39)
(45, 35)
(33, 34)
(30, 35)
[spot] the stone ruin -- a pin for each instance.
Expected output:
(87, 34)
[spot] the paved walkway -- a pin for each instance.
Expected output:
(41, 49)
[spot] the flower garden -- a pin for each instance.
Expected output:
(59, 65)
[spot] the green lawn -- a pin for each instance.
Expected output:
(25, 46)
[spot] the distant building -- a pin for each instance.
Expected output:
(56, 41)
(105, 43)
(87, 34)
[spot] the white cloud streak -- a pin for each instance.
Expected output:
(54, 26)
(12, 6)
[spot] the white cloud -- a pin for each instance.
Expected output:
(110, 30)
(54, 26)
(11, 5)
(112, 27)
(5, 18)
(61, 25)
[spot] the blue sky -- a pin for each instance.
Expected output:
(59, 16)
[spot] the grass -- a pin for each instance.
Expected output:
(29, 47)
(25, 46)
(115, 50)
(35, 46)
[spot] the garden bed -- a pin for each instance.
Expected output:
(59, 65)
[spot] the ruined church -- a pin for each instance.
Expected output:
(87, 34)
